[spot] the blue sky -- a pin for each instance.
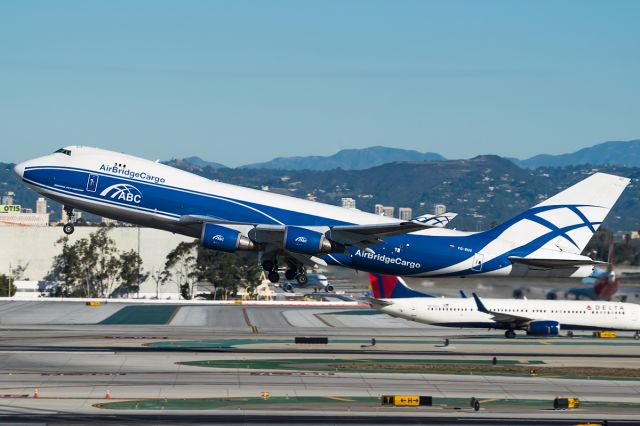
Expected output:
(245, 81)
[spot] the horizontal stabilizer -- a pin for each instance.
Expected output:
(554, 263)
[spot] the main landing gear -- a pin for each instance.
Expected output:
(271, 267)
(294, 271)
(68, 228)
(510, 334)
(297, 272)
(637, 335)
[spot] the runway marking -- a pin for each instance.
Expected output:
(246, 317)
(337, 398)
(38, 352)
(322, 320)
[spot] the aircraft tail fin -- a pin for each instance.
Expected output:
(391, 287)
(566, 221)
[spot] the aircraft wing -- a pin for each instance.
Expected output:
(378, 303)
(364, 235)
(354, 235)
(551, 263)
(503, 317)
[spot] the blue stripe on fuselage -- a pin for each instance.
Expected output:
(406, 254)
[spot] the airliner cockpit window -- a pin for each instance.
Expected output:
(64, 151)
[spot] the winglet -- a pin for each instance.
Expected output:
(463, 294)
(479, 303)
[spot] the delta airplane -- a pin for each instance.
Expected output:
(537, 317)
(545, 240)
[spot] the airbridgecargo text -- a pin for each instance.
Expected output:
(387, 260)
(131, 173)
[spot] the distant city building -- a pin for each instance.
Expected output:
(388, 211)
(108, 221)
(7, 198)
(405, 213)
(378, 209)
(41, 205)
(348, 203)
(439, 209)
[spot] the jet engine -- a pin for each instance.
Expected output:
(543, 328)
(302, 240)
(224, 239)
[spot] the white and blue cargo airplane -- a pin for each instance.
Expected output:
(537, 317)
(545, 240)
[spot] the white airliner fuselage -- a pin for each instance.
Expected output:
(464, 313)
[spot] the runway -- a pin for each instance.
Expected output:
(228, 357)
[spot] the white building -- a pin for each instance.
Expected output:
(388, 211)
(378, 209)
(405, 213)
(7, 198)
(24, 219)
(348, 203)
(439, 209)
(36, 247)
(41, 205)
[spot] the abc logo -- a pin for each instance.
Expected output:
(123, 192)
(301, 240)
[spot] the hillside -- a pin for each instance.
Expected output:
(623, 153)
(347, 159)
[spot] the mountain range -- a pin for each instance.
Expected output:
(622, 153)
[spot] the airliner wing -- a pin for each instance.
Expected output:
(363, 235)
(355, 235)
(555, 263)
(502, 317)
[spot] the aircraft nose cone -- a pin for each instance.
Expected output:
(18, 170)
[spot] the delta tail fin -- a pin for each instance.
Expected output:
(564, 222)
(391, 287)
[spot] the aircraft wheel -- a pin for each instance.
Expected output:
(269, 265)
(510, 334)
(274, 276)
(68, 228)
(288, 288)
(290, 274)
(302, 279)
(569, 333)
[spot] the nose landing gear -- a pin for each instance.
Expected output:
(68, 228)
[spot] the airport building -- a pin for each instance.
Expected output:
(35, 247)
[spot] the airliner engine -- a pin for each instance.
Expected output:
(543, 328)
(224, 239)
(302, 240)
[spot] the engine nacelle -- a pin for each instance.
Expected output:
(221, 238)
(543, 328)
(302, 240)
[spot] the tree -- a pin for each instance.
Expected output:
(131, 274)
(7, 289)
(92, 267)
(180, 265)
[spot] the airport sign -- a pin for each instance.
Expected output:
(10, 208)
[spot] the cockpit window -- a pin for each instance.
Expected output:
(64, 151)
